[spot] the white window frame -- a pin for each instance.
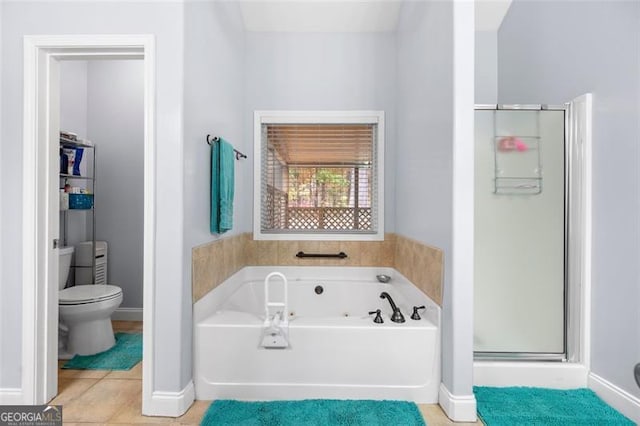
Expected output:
(316, 117)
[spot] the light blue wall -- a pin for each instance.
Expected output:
(486, 67)
(165, 21)
(425, 133)
(213, 97)
(552, 52)
(213, 100)
(325, 71)
(424, 172)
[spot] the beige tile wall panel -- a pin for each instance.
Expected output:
(214, 262)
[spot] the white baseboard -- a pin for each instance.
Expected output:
(127, 314)
(11, 396)
(459, 408)
(618, 398)
(555, 375)
(170, 404)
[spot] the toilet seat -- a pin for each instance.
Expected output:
(91, 293)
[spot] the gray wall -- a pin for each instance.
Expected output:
(173, 327)
(424, 172)
(73, 97)
(323, 71)
(7, 313)
(115, 123)
(592, 47)
(73, 118)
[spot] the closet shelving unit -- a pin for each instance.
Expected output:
(88, 182)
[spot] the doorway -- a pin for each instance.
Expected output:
(102, 103)
(41, 199)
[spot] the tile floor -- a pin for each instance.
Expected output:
(92, 397)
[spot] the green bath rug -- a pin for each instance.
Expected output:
(126, 353)
(544, 407)
(313, 412)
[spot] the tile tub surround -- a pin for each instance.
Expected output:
(359, 253)
(422, 265)
(214, 262)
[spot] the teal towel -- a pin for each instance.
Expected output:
(222, 187)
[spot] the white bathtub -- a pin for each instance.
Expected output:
(336, 350)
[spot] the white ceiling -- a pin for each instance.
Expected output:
(347, 15)
(320, 15)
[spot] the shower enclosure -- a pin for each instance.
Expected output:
(520, 232)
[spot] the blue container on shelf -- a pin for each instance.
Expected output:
(80, 201)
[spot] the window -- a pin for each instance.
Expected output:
(319, 175)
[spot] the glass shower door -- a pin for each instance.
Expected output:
(520, 234)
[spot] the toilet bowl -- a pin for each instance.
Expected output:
(86, 311)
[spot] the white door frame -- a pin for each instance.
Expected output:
(39, 295)
(580, 228)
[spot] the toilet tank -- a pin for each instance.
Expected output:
(64, 264)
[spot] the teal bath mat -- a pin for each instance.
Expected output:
(313, 412)
(126, 353)
(544, 407)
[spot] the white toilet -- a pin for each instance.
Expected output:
(86, 311)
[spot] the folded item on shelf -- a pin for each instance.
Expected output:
(68, 135)
(70, 153)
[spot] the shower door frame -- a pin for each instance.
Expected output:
(566, 352)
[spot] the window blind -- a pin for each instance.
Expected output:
(319, 178)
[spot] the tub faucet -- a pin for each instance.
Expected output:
(397, 315)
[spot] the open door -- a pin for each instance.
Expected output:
(50, 105)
